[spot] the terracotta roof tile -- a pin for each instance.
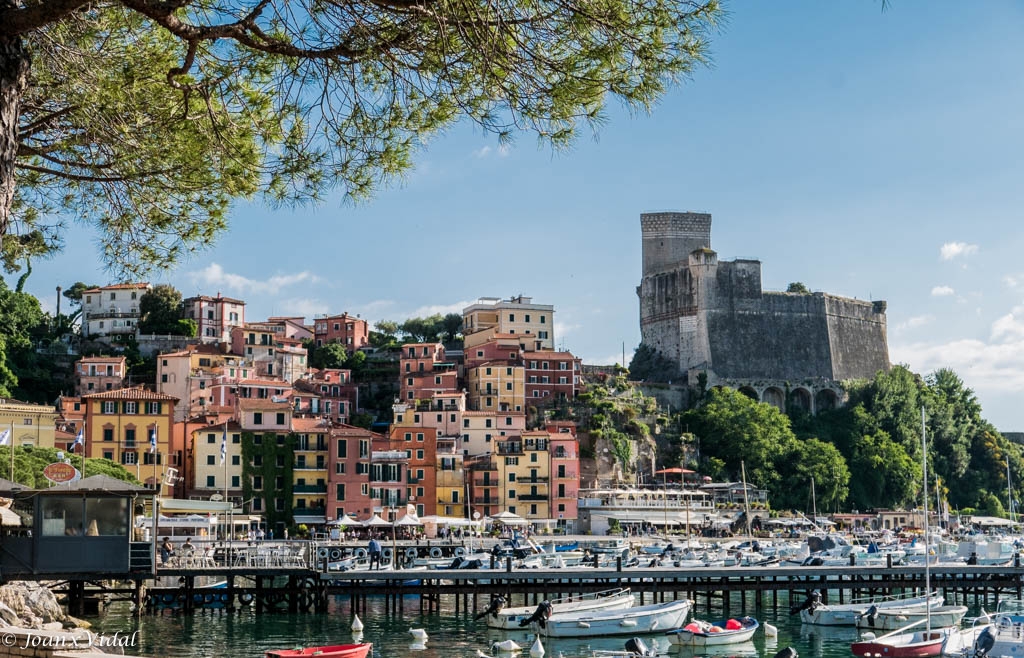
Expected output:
(135, 393)
(248, 404)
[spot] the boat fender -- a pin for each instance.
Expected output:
(537, 650)
(360, 553)
(411, 553)
(770, 631)
(867, 637)
(627, 622)
(435, 552)
(386, 553)
(245, 599)
(357, 624)
(460, 551)
(582, 624)
(321, 553)
(335, 554)
(654, 625)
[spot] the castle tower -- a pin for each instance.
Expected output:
(669, 237)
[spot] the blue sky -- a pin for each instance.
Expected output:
(869, 153)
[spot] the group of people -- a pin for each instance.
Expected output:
(167, 550)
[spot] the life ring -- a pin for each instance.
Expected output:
(167, 598)
(321, 553)
(360, 553)
(411, 553)
(459, 551)
(435, 552)
(181, 598)
(223, 598)
(335, 554)
(386, 554)
(245, 599)
(209, 598)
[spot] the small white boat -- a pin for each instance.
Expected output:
(998, 634)
(891, 619)
(612, 599)
(714, 633)
(631, 621)
(813, 611)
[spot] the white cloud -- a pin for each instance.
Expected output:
(951, 250)
(482, 152)
(995, 365)
(913, 323)
(563, 328)
(431, 309)
(214, 276)
(1011, 280)
(942, 291)
(485, 151)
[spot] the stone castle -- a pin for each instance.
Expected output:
(712, 316)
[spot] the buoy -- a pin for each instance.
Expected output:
(417, 646)
(770, 631)
(481, 654)
(357, 624)
(537, 650)
(506, 646)
(418, 634)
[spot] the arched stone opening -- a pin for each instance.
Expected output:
(775, 397)
(800, 399)
(749, 392)
(825, 399)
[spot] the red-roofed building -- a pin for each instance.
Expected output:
(352, 332)
(112, 310)
(214, 316)
(94, 374)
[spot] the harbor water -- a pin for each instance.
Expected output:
(213, 634)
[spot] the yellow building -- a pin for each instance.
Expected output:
(211, 475)
(119, 426)
(518, 315)
(525, 475)
(32, 424)
(309, 476)
(450, 478)
(496, 386)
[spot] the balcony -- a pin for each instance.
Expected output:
(309, 511)
(309, 489)
(485, 482)
(102, 315)
(543, 479)
(485, 501)
(532, 497)
(310, 467)
(510, 448)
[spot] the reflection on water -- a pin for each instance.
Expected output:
(243, 634)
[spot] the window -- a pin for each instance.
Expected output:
(342, 448)
(511, 493)
(211, 481)
(257, 460)
(562, 365)
(235, 482)
(108, 434)
(437, 380)
(257, 418)
(110, 407)
(236, 460)
(153, 407)
(280, 419)
(487, 422)
(533, 508)
(420, 491)
(465, 422)
(257, 482)
(527, 318)
(487, 438)
(508, 371)
(479, 354)
(211, 460)
(113, 295)
(340, 492)
(511, 317)
(408, 436)
(419, 455)
(533, 458)
(280, 461)
(108, 454)
(364, 488)
(129, 458)
(511, 477)
(419, 437)
(236, 438)
(211, 438)
(163, 379)
(508, 386)
(129, 437)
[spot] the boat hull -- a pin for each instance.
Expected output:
(633, 621)
(336, 651)
(892, 619)
(689, 638)
(509, 618)
(924, 644)
(847, 614)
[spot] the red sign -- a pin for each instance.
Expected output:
(60, 472)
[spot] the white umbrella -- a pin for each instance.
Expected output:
(375, 522)
(408, 520)
(508, 518)
(341, 521)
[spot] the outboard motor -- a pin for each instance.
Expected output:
(497, 603)
(871, 615)
(810, 603)
(986, 640)
(788, 652)
(637, 647)
(540, 615)
(456, 563)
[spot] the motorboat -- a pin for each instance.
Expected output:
(891, 619)
(813, 611)
(714, 633)
(335, 651)
(631, 621)
(997, 634)
(498, 616)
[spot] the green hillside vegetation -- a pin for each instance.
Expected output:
(30, 462)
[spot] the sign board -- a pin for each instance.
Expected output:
(61, 472)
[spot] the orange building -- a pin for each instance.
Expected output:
(120, 426)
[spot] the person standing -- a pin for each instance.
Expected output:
(374, 550)
(166, 550)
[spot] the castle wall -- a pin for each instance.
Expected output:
(781, 337)
(857, 334)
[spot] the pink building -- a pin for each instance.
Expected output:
(552, 375)
(352, 332)
(215, 316)
(94, 374)
(327, 393)
(348, 478)
(565, 472)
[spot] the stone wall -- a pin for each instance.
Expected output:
(669, 237)
(857, 331)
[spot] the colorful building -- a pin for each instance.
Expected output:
(310, 471)
(120, 426)
(348, 479)
(112, 310)
(352, 332)
(552, 376)
(496, 386)
(481, 429)
(215, 317)
(94, 374)
(518, 315)
(30, 425)
(210, 473)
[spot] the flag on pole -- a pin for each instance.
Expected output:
(152, 439)
(79, 440)
(5, 438)
(224, 445)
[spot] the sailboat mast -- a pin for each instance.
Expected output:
(1009, 490)
(927, 570)
(746, 501)
(814, 507)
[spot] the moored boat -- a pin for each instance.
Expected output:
(911, 644)
(643, 619)
(891, 619)
(714, 633)
(997, 634)
(813, 611)
(333, 651)
(612, 599)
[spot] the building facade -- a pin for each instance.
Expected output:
(214, 316)
(121, 425)
(112, 310)
(517, 315)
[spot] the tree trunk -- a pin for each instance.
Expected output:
(14, 68)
